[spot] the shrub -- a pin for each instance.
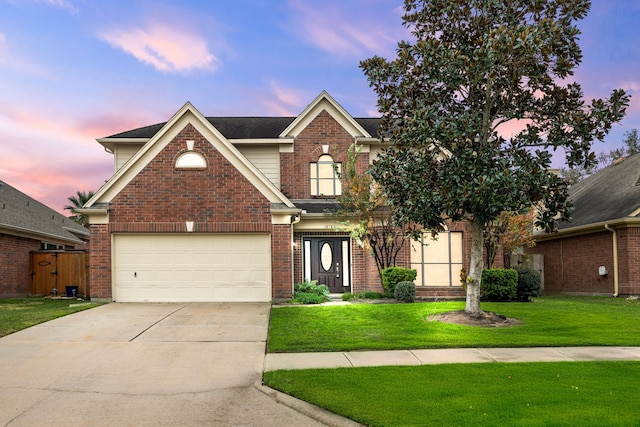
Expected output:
(310, 293)
(528, 283)
(393, 275)
(370, 295)
(347, 296)
(405, 291)
(499, 284)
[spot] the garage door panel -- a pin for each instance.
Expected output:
(191, 267)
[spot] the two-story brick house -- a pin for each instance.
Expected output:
(234, 209)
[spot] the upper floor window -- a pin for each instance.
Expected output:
(191, 160)
(325, 180)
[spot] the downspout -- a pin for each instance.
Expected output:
(615, 260)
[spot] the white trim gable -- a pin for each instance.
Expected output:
(188, 114)
(324, 101)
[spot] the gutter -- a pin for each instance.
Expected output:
(616, 283)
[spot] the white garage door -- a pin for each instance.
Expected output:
(191, 267)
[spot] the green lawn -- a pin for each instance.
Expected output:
(487, 394)
(548, 321)
(21, 313)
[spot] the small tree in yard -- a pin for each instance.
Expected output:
(509, 231)
(78, 201)
(472, 66)
(369, 218)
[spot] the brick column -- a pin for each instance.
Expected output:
(100, 262)
(281, 261)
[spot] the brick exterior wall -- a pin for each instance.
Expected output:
(100, 262)
(15, 271)
(295, 180)
(571, 263)
(629, 261)
(160, 199)
(218, 198)
(281, 255)
(295, 183)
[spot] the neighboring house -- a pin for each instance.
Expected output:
(27, 225)
(598, 252)
(235, 209)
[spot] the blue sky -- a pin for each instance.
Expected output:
(72, 71)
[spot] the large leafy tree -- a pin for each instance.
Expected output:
(77, 201)
(471, 67)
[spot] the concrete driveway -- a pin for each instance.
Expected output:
(178, 364)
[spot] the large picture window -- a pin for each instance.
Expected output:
(438, 262)
(324, 177)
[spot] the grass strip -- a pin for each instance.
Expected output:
(20, 313)
(495, 394)
(548, 321)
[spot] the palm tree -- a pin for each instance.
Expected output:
(77, 202)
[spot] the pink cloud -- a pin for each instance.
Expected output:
(166, 48)
(282, 101)
(327, 28)
(62, 4)
(48, 159)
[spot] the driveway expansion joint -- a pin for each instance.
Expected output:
(159, 320)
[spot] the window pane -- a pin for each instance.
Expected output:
(325, 170)
(326, 187)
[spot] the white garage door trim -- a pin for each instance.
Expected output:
(191, 267)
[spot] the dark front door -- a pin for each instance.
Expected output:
(327, 258)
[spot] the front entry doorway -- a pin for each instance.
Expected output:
(327, 260)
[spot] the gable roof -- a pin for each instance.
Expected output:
(230, 127)
(611, 194)
(24, 216)
(240, 128)
(325, 102)
(188, 114)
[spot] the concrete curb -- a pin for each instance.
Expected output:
(312, 411)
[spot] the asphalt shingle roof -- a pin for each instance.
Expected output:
(244, 127)
(21, 213)
(612, 193)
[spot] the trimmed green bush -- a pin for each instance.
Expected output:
(391, 276)
(405, 291)
(347, 296)
(310, 293)
(528, 283)
(499, 284)
(370, 295)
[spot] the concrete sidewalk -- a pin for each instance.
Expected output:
(356, 359)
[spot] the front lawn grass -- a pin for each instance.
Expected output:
(547, 321)
(488, 394)
(20, 313)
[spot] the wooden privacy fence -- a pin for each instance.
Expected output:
(58, 270)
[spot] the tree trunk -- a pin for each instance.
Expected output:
(475, 271)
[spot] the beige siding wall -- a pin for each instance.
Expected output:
(266, 159)
(375, 152)
(123, 153)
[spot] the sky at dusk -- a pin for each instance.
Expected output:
(72, 71)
